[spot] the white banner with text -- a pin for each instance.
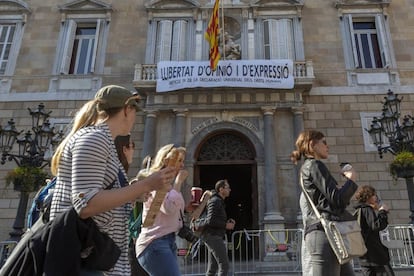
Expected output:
(276, 74)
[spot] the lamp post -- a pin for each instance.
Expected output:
(399, 136)
(31, 153)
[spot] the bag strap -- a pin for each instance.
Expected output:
(182, 216)
(122, 181)
(318, 215)
(358, 214)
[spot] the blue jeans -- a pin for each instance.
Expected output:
(323, 259)
(218, 260)
(160, 257)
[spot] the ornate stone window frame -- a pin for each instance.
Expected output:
(377, 11)
(73, 14)
(13, 12)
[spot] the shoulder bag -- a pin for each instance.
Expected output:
(344, 237)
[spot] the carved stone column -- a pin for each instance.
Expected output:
(272, 216)
(297, 129)
(179, 137)
(148, 147)
(272, 212)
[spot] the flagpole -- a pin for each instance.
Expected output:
(222, 29)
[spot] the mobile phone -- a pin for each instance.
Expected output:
(345, 166)
(379, 201)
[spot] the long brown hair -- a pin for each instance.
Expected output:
(304, 144)
(122, 141)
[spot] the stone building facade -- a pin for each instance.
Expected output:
(345, 56)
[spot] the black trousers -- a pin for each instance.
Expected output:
(384, 270)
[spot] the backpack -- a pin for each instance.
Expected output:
(135, 221)
(41, 203)
(199, 215)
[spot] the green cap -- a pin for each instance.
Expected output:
(113, 96)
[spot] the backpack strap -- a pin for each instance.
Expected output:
(122, 181)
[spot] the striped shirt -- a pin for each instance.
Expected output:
(89, 164)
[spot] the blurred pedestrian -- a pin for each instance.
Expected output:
(155, 248)
(373, 217)
(125, 148)
(214, 225)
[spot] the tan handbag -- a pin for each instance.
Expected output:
(344, 237)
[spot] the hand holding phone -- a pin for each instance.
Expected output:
(347, 170)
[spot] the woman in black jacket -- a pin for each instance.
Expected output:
(373, 218)
(330, 200)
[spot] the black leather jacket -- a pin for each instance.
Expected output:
(216, 218)
(371, 224)
(321, 186)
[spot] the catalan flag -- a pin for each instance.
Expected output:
(211, 35)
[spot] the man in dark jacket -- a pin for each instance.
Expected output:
(214, 227)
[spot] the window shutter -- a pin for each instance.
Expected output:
(379, 23)
(350, 29)
(280, 39)
(273, 39)
(285, 39)
(179, 40)
(15, 46)
(99, 29)
(164, 37)
(68, 46)
(266, 39)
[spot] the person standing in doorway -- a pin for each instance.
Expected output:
(214, 228)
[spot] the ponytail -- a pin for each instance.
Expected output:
(86, 116)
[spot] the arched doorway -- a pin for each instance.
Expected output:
(230, 155)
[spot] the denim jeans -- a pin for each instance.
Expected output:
(218, 260)
(160, 257)
(323, 259)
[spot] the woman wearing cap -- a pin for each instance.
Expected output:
(86, 165)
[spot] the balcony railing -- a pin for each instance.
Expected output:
(146, 74)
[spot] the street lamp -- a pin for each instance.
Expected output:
(399, 137)
(32, 147)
